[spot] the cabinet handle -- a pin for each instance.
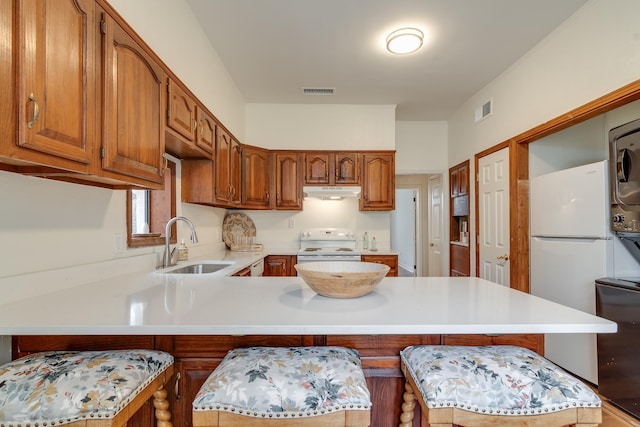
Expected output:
(195, 124)
(176, 390)
(36, 111)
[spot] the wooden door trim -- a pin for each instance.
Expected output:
(519, 175)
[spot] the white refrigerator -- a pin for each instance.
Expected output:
(571, 246)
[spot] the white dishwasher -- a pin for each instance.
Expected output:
(257, 268)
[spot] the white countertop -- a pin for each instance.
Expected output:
(158, 304)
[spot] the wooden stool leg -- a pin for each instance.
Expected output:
(409, 404)
(163, 414)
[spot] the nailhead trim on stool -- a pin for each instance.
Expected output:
(493, 380)
(285, 382)
(54, 388)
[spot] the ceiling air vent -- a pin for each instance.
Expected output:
(484, 111)
(318, 90)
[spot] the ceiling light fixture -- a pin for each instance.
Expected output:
(404, 40)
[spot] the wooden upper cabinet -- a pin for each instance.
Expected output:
(459, 179)
(54, 52)
(133, 126)
(255, 177)
(190, 128)
(317, 168)
(331, 168)
(347, 168)
(378, 181)
(235, 169)
(287, 182)
(181, 111)
(227, 166)
(206, 132)
(222, 162)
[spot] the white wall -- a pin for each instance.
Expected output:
(170, 28)
(421, 147)
(589, 55)
(321, 127)
(281, 229)
(328, 127)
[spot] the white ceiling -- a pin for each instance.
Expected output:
(273, 48)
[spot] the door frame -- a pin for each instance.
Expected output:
(420, 181)
(519, 174)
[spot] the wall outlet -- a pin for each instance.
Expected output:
(118, 243)
(292, 222)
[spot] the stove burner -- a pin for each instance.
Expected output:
(344, 250)
(311, 249)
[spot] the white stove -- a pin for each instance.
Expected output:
(328, 244)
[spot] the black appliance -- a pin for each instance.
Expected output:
(618, 354)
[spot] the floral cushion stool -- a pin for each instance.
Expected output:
(83, 388)
(492, 385)
(270, 386)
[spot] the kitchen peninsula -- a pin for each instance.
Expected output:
(198, 318)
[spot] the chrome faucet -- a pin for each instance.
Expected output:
(167, 260)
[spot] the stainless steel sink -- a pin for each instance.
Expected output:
(199, 268)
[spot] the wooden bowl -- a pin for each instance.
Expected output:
(342, 279)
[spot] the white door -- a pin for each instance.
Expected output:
(403, 225)
(493, 238)
(435, 226)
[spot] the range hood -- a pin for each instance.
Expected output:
(331, 192)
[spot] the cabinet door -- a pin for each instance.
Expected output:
(454, 181)
(132, 120)
(460, 260)
(206, 135)
(255, 177)
(54, 81)
(390, 260)
(278, 265)
(463, 181)
(378, 182)
(347, 168)
(181, 114)
(288, 179)
(190, 376)
(235, 161)
(222, 162)
(316, 167)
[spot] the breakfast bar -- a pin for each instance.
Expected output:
(198, 318)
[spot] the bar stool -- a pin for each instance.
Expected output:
(285, 386)
(492, 385)
(84, 388)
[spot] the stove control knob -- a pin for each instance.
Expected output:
(618, 218)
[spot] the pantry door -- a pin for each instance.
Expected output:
(493, 220)
(435, 226)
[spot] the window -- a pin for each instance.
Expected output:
(149, 210)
